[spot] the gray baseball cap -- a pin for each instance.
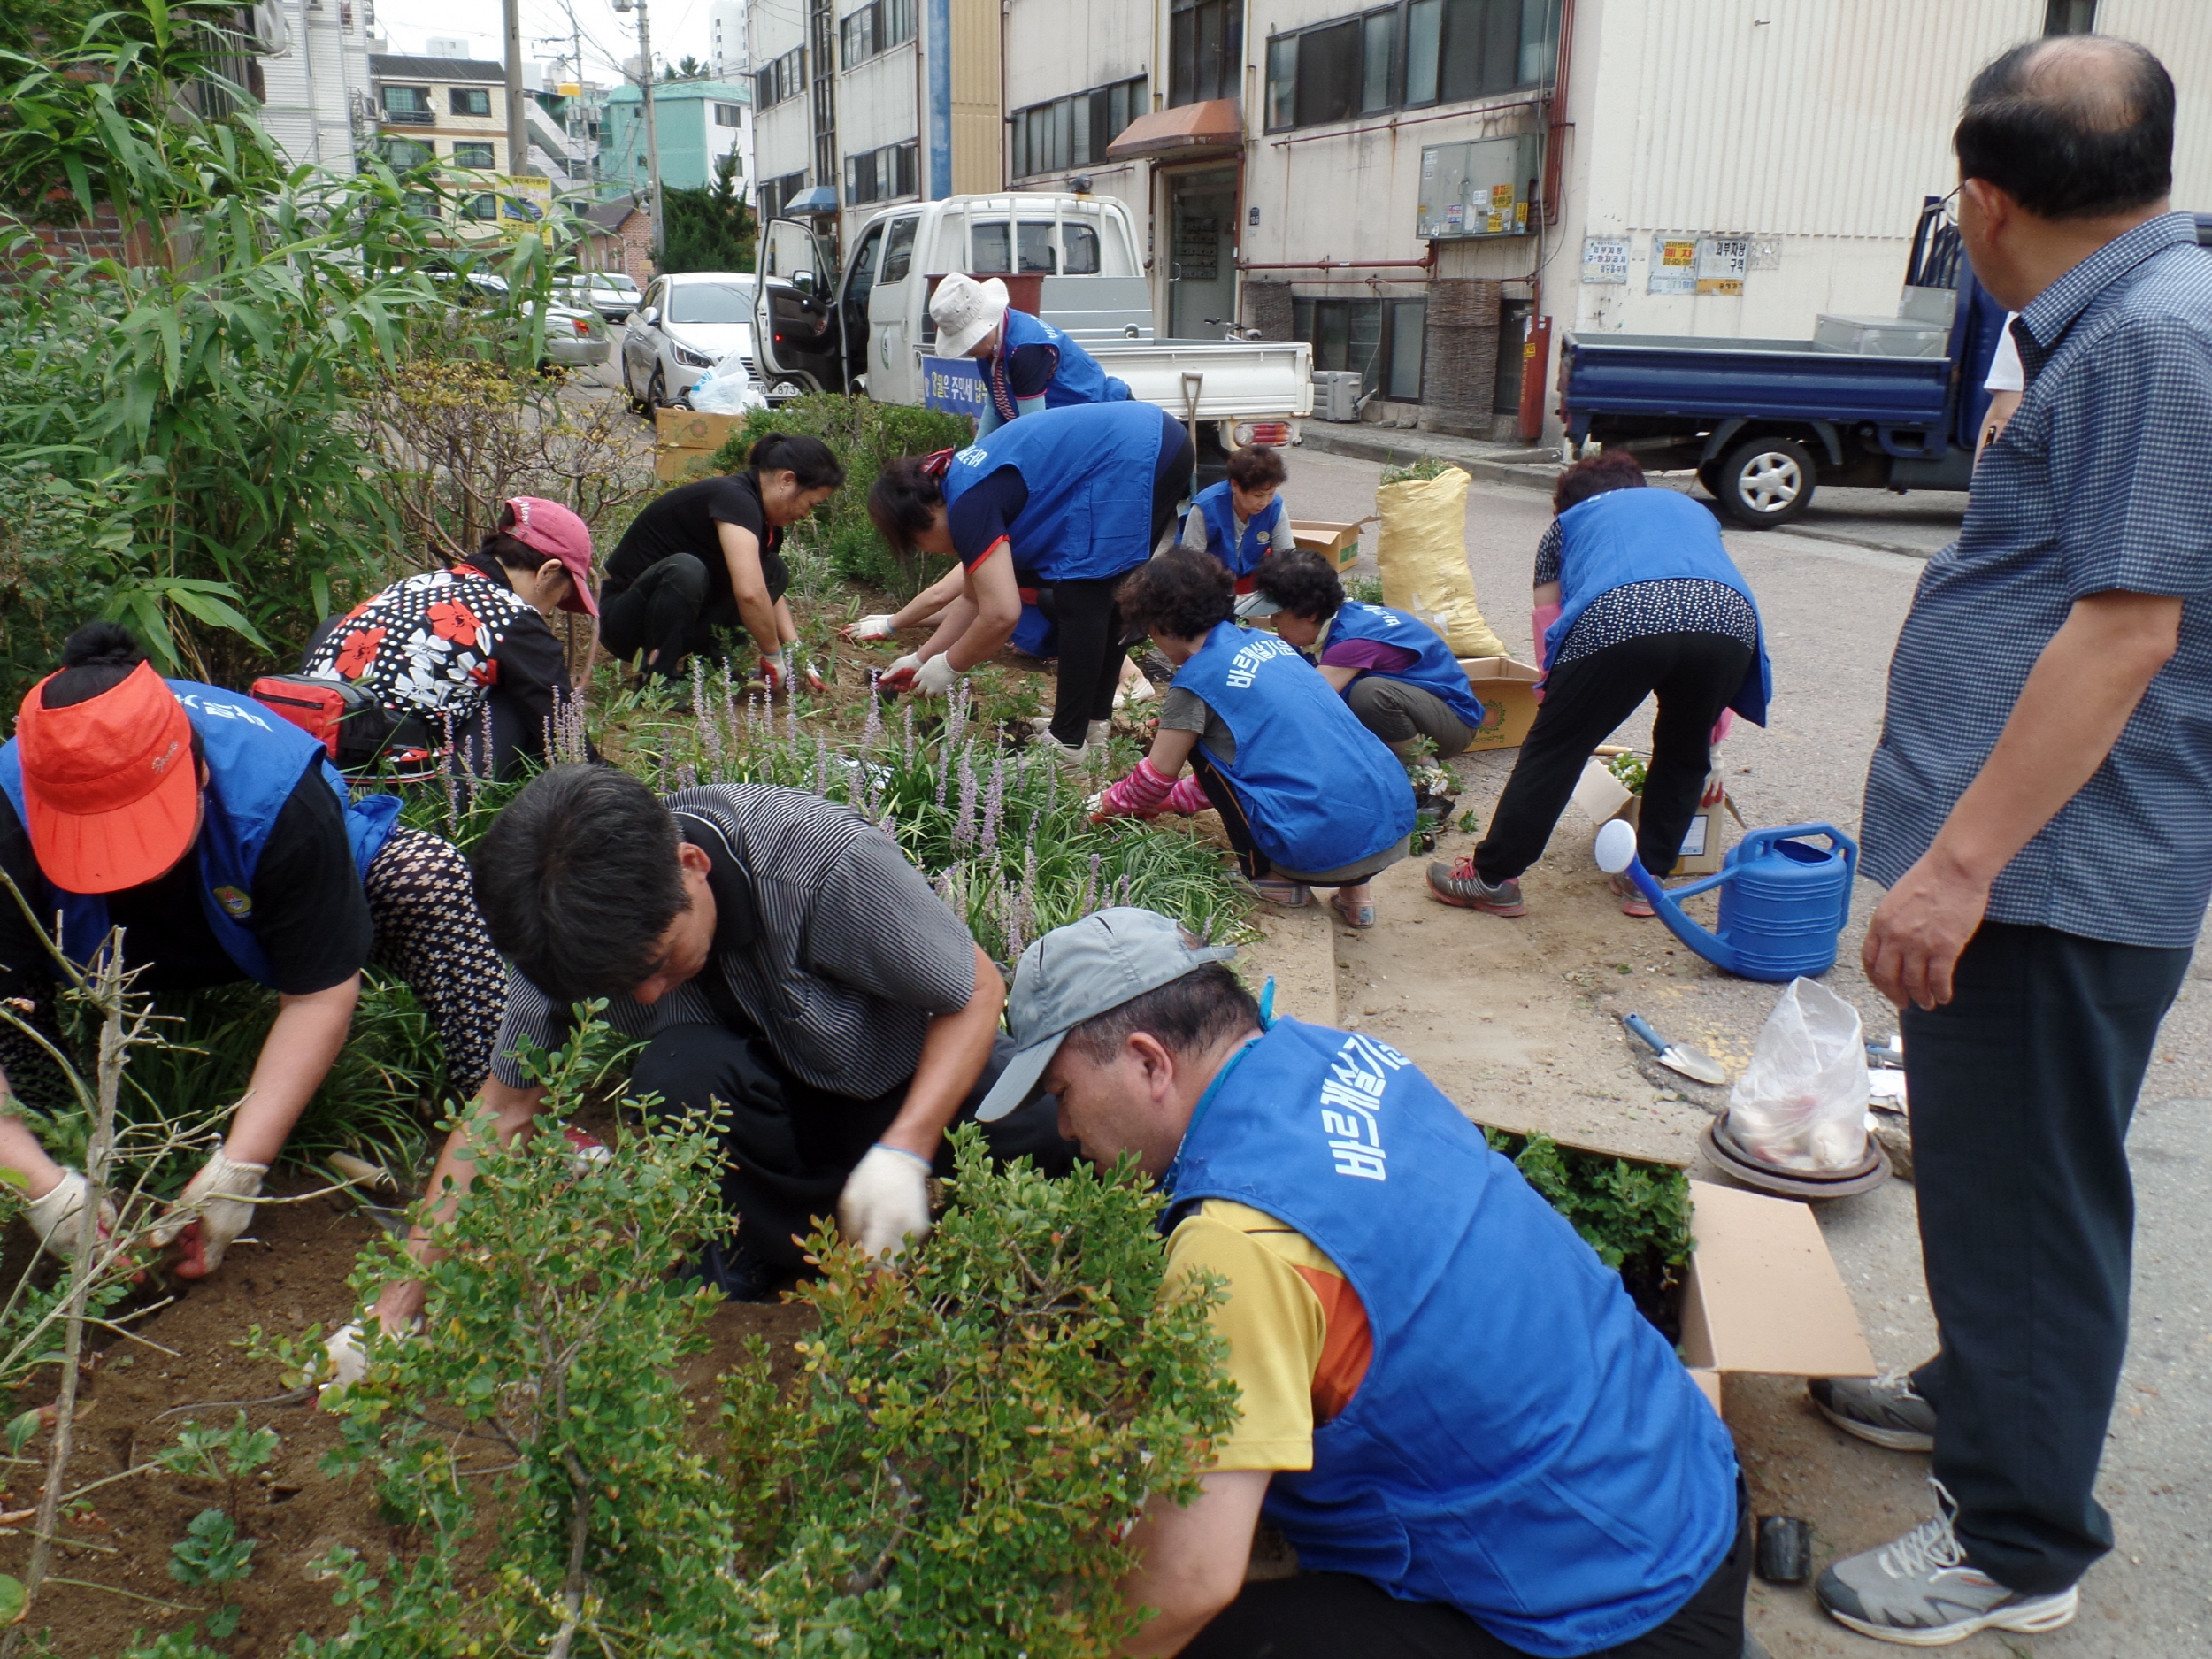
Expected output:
(1077, 972)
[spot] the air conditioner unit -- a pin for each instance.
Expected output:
(1336, 394)
(269, 32)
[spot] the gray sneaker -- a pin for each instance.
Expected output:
(1884, 1411)
(1458, 884)
(1920, 1593)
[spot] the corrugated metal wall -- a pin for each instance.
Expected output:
(1800, 117)
(978, 145)
(2180, 32)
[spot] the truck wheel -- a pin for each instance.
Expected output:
(1765, 482)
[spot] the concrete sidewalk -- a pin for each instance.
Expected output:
(1531, 466)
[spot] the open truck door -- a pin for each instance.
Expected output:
(796, 324)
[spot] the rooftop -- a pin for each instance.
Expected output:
(721, 91)
(382, 67)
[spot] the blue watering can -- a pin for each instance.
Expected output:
(1783, 899)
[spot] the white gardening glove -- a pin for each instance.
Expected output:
(348, 1359)
(900, 675)
(880, 625)
(54, 1216)
(215, 1207)
(886, 1202)
(775, 670)
(934, 678)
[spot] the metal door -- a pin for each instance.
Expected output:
(794, 311)
(1201, 252)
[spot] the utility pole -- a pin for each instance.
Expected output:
(517, 124)
(652, 132)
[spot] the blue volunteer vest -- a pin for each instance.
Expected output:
(1241, 557)
(1437, 670)
(1649, 535)
(1524, 1446)
(1088, 470)
(1319, 789)
(255, 760)
(1078, 378)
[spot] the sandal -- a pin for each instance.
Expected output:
(1632, 900)
(1359, 913)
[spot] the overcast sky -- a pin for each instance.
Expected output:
(678, 27)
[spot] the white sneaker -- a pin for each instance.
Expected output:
(1077, 759)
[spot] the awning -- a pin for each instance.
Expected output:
(821, 198)
(1216, 124)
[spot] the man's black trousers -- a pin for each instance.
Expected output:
(789, 1146)
(1585, 700)
(1342, 1615)
(2021, 1090)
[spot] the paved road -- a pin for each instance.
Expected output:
(1832, 602)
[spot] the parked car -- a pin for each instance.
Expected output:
(609, 293)
(689, 322)
(575, 336)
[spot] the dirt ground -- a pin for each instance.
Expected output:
(186, 1365)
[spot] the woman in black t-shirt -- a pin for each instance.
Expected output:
(707, 556)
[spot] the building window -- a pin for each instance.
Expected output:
(469, 100)
(785, 78)
(1406, 55)
(407, 103)
(1205, 50)
(477, 156)
(875, 29)
(400, 154)
(880, 175)
(1074, 131)
(775, 192)
(2071, 17)
(1381, 338)
(729, 115)
(480, 207)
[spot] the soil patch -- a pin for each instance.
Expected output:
(136, 1398)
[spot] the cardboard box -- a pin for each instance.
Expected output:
(1337, 542)
(1763, 1296)
(1506, 690)
(684, 442)
(1704, 846)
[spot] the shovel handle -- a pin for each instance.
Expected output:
(1642, 1028)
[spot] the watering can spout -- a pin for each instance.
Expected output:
(1783, 902)
(1617, 856)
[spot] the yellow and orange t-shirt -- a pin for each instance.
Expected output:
(1299, 1342)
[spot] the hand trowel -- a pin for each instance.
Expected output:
(1692, 1063)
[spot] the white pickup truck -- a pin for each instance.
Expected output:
(867, 329)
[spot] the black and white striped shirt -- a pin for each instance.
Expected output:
(829, 942)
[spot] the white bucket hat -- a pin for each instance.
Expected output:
(965, 311)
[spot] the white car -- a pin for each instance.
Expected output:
(689, 322)
(609, 293)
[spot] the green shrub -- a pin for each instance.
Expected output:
(1629, 1213)
(954, 1474)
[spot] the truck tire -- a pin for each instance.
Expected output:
(1766, 481)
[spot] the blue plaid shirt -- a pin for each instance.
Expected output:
(2101, 483)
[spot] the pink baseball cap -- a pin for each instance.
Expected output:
(548, 528)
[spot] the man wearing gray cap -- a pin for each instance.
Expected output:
(1448, 1403)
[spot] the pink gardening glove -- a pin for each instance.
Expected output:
(1142, 793)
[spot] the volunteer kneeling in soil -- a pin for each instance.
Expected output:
(224, 843)
(1397, 674)
(781, 957)
(1308, 795)
(1241, 521)
(1449, 1404)
(1634, 596)
(1080, 495)
(706, 556)
(468, 648)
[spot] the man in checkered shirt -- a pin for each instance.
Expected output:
(2040, 807)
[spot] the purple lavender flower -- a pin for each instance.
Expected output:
(963, 820)
(994, 805)
(909, 741)
(1090, 884)
(871, 733)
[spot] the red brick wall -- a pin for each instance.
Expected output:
(100, 237)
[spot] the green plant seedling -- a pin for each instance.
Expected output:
(210, 1553)
(229, 1456)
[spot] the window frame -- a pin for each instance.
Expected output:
(461, 101)
(1470, 39)
(1201, 69)
(736, 113)
(419, 111)
(491, 162)
(1042, 137)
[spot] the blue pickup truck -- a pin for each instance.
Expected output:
(1868, 401)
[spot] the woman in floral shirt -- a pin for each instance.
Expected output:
(470, 646)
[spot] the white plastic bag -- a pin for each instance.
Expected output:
(1800, 1104)
(730, 394)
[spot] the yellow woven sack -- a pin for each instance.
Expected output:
(1422, 550)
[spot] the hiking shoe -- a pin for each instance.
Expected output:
(1276, 890)
(1458, 884)
(1920, 1593)
(1884, 1411)
(735, 1268)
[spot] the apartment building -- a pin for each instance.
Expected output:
(698, 122)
